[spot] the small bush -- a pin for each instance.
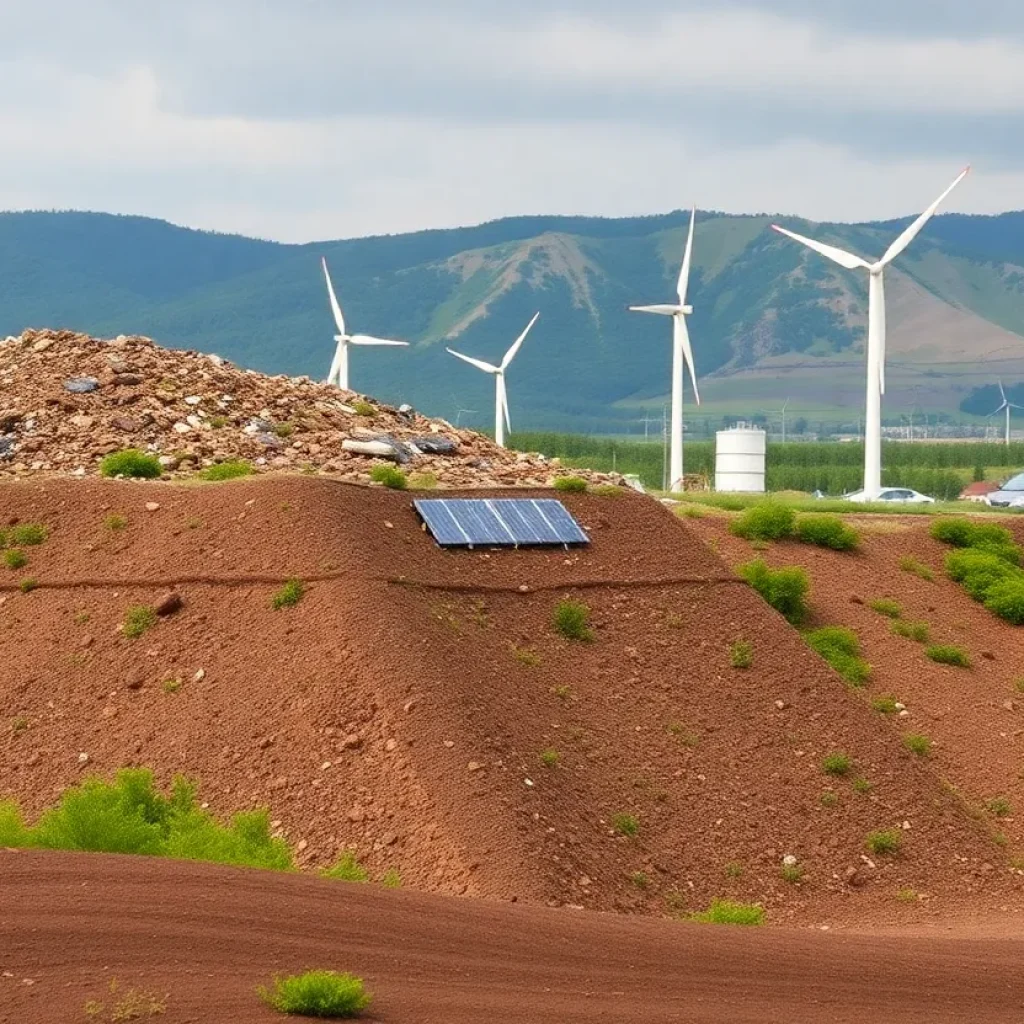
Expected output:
(792, 873)
(171, 685)
(424, 481)
(550, 758)
(829, 799)
(768, 520)
(115, 522)
(741, 654)
(231, 470)
(389, 476)
(907, 895)
(28, 535)
(890, 609)
(948, 654)
(917, 744)
(918, 631)
(131, 463)
(639, 879)
(364, 409)
(837, 764)
(841, 649)
(607, 490)
(1006, 600)
(887, 842)
(729, 912)
(137, 620)
(318, 994)
(13, 833)
(391, 879)
(15, 558)
(887, 705)
(957, 532)
(862, 786)
(910, 564)
(27, 585)
(570, 484)
(284, 429)
(289, 595)
(827, 532)
(999, 806)
(572, 620)
(979, 571)
(347, 869)
(626, 824)
(526, 656)
(784, 589)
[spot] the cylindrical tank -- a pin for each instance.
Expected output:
(739, 459)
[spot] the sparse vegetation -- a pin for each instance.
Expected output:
(640, 880)
(27, 535)
(841, 649)
(572, 620)
(885, 704)
(526, 656)
(423, 481)
(910, 564)
(792, 873)
(949, 654)
(837, 764)
(389, 476)
(570, 484)
(391, 879)
(171, 685)
(826, 531)
(126, 1004)
(284, 430)
(115, 522)
(784, 589)
(364, 409)
(767, 520)
(19, 723)
(734, 870)
(907, 895)
(919, 631)
(27, 585)
(347, 869)
(741, 654)
(829, 799)
(289, 595)
(15, 558)
(918, 744)
(730, 912)
(550, 757)
(317, 994)
(890, 609)
(562, 692)
(607, 490)
(131, 463)
(626, 825)
(886, 842)
(137, 620)
(862, 786)
(230, 470)
(999, 806)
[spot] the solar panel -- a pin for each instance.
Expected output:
(499, 522)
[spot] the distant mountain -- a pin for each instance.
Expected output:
(771, 321)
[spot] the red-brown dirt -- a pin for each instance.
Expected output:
(401, 708)
(202, 938)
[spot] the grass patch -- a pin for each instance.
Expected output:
(347, 869)
(607, 490)
(918, 744)
(231, 470)
(690, 511)
(1006, 600)
(837, 764)
(389, 476)
(919, 631)
(27, 585)
(570, 484)
(768, 520)
(885, 704)
(562, 692)
(907, 895)
(137, 620)
(317, 994)
(550, 757)
(730, 912)
(885, 843)
(948, 654)
(391, 879)
(862, 786)
(890, 609)
(171, 685)
(741, 654)
(364, 409)
(999, 806)
(829, 799)
(27, 535)
(284, 430)
(115, 522)
(626, 825)
(131, 463)
(125, 1004)
(572, 620)
(526, 656)
(734, 869)
(424, 481)
(917, 568)
(15, 558)
(289, 595)
(792, 873)
(784, 589)
(826, 531)
(841, 649)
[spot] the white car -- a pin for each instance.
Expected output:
(897, 495)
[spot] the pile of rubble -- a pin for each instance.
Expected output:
(67, 400)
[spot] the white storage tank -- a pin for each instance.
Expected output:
(739, 459)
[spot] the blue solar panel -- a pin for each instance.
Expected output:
(499, 522)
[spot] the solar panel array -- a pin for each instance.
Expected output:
(499, 522)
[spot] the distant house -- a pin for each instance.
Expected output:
(978, 490)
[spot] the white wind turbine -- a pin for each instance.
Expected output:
(339, 367)
(501, 416)
(876, 330)
(681, 351)
(1007, 405)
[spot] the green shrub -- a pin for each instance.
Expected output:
(607, 490)
(424, 481)
(364, 409)
(792, 873)
(115, 522)
(389, 476)
(15, 558)
(988, 537)
(347, 869)
(829, 799)
(887, 705)
(784, 589)
(729, 912)
(230, 470)
(571, 484)
(826, 531)
(890, 609)
(626, 824)
(572, 620)
(841, 649)
(318, 994)
(910, 564)
(918, 631)
(886, 842)
(837, 764)
(391, 879)
(949, 654)
(1006, 600)
(862, 786)
(137, 620)
(741, 654)
(28, 535)
(958, 532)
(13, 833)
(979, 571)
(768, 520)
(550, 758)
(131, 463)
(917, 744)
(27, 585)
(998, 805)
(290, 594)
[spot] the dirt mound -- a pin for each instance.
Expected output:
(418, 707)
(67, 400)
(203, 938)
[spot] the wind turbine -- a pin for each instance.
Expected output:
(339, 367)
(876, 330)
(501, 416)
(681, 351)
(1007, 405)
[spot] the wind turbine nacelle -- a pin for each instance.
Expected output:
(686, 309)
(341, 337)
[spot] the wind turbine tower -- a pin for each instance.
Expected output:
(876, 329)
(1007, 405)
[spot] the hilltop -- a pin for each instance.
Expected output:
(771, 321)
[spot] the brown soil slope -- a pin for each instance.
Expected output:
(203, 938)
(402, 707)
(974, 716)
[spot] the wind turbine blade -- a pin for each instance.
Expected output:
(684, 274)
(682, 339)
(840, 256)
(367, 339)
(338, 318)
(478, 363)
(1002, 393)
(664, 310)
(511, 353)
(912, 232)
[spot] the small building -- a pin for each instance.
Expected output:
(977, 490)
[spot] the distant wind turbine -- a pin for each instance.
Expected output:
(339, 367)
(501, 414)
(681, 351)
(876, 330)
(1007, 405)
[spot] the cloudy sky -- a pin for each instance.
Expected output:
(312, 119)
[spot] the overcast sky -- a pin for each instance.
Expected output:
(312, 119)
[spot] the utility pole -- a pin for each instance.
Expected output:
(784, 406)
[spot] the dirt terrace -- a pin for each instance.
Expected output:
(402, 707)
